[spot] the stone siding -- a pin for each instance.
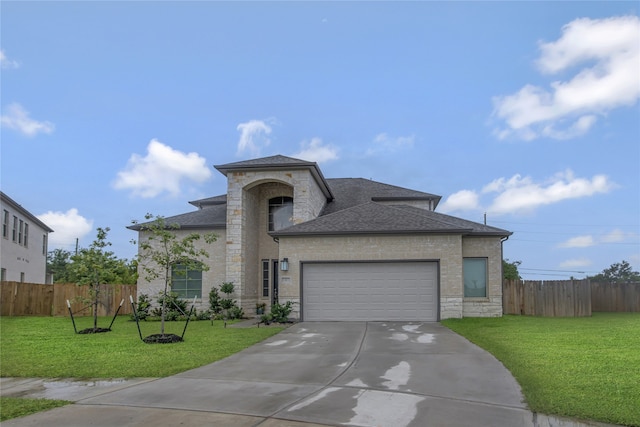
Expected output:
(213, 277)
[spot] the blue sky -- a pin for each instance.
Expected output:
(525, 111)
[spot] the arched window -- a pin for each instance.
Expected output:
(280, 213)
(185, 281)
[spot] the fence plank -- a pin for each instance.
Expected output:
(615, 297)
(34, 299)
(568, 298)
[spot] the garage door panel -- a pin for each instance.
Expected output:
(370, 291)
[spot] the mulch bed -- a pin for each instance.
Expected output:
(94, 330)
(162, 339)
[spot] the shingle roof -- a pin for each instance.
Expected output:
(278, 163)
(209, 201)
(208, 217)
(264, 162)
(354, 209)
(376, 218)
(350, 192)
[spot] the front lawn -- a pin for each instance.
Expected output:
(586, 368)
(47, 347)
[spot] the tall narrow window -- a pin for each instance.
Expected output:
(44, 244)
(265, 277)
(280, 213)
(475, 277)
(14, 231)
(20, 232)
(5, 224)
(26, 235)
(3, 274)
(186, 282)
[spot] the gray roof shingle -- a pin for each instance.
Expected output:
(350, 192)
(352, 207)
(376, 218)
(214, 216)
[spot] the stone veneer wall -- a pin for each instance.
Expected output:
(447, 249)
(242, 261)
(490, 248)
(213, 277)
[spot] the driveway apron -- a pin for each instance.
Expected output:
(398, 374)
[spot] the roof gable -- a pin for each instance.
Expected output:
(279, 163)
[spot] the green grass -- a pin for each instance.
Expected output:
(48, 347)
(585, 368)
(13, 407)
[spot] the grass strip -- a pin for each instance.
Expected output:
(585, 368)
(14, 407)
(47, 347)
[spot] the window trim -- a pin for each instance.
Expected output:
(486, 277)
(188, 291)
(14, 231)
(265, 278)
(5, 224)
(278, 201)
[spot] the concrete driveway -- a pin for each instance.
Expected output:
(344, 373)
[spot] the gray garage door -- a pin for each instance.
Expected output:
(370, 291)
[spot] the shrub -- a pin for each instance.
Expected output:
(214, 300)
(143, 307)
(280, 312)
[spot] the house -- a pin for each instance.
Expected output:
(24, 244)
(341, 249)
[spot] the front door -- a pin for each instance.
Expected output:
(274, 280)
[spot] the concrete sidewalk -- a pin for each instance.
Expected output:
(395, 374)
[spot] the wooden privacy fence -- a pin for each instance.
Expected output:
(619, 297)
(33, 299)
(569, 298)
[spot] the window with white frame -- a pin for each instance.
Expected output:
(265, 277)
(474, 271)
(5, 224)
(185, 281)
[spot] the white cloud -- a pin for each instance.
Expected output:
(67, 226)
(6, 62)
(523, 194)
(610, 53)
(575, 263)
(316, 151)
(162, 169)
(461, 201)
(518, 194)
(17, 118)
(385, 143)
(615, 236)
(253, 137)
(578, 242)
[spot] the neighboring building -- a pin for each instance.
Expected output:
(24, 244)
(342, 249)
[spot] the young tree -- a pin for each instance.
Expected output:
(619, 272)
(95, 266)
(160, 248)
